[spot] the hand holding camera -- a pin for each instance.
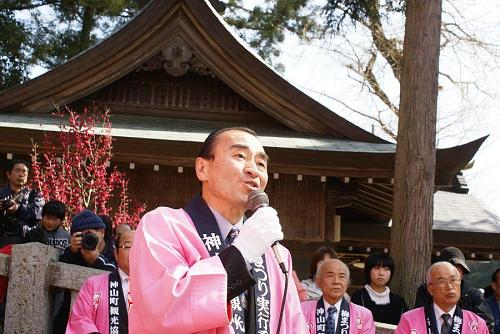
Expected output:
(8, 204)
(83, 240)
(86, 243)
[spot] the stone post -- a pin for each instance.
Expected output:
(28, 298)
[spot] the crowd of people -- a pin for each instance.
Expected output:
(207, 268)
(91, 242)
(449, 294)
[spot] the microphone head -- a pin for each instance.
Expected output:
(257, 199)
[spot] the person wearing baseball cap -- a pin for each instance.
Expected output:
(455, 256)
(471, 299)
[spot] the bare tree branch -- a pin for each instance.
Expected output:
(383, 124)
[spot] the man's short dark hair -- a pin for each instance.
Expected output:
(54, 208)
(206, 151)
(12, 163)
(318, 255)
(494, 275)
(378, 260)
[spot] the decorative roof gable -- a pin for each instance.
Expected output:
(188, 35)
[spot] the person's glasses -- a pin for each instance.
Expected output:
(446, 282)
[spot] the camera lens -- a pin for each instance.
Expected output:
(89, 241)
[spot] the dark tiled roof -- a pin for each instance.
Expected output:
(196, 131)
(462, 213)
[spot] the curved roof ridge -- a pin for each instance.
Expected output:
(157, 24)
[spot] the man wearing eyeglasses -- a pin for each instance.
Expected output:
(443, 316)
(104, 301)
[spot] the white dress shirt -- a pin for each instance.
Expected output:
(438, 312)
(337, 306)
(224, 224)
(125, 286)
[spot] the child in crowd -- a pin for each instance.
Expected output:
(376, 296)
(50, 231)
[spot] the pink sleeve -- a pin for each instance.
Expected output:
(298, 323)
(83, 315)
(300, 289)
(309, 311)
(175, 286)
(403, 326)
(369, 328)
(484, 328)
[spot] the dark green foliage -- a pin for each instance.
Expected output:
(264, 27)
(49, 32)
(337, 11)
(13, 58)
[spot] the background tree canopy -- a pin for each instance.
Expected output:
(49, 32)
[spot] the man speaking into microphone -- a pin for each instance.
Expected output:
(204, 269)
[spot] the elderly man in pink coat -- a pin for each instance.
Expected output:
(443, 316)
(332, 313)
(204, 269)
(103, 301)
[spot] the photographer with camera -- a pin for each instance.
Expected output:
(20, 206)
(110, 311)
(20, 210)
(89, 248)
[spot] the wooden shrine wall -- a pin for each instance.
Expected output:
(190, 96)
(300, 204)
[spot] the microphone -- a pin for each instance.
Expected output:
(258, 199)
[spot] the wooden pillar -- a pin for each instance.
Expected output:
(330, 215)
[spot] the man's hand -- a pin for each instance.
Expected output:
(13, 208)
(258, 233)
(75, 243)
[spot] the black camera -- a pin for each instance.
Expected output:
(89, 241)
(6, 203)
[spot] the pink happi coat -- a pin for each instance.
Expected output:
(361, 319)
(414, 322)
(90, 312)
(178, 288)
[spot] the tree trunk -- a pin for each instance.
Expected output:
(411, 233)
(88, 23)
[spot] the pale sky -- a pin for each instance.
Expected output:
(319, 72)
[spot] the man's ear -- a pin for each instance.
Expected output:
(316, 280)
(201, 168)
(8, 175)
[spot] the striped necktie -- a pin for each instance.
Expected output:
(233, 233)
(330, 321)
